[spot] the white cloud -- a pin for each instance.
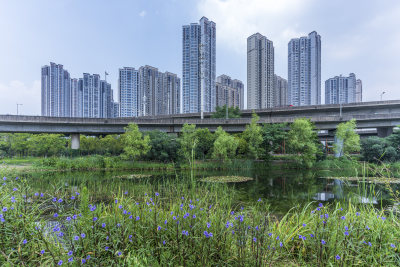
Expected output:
(143, 13)
(18, 92)
(238, 19)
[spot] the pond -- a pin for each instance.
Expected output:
(281, 188)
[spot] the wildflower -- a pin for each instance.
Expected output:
(232, 212)
(70, 253)
(130, 217)
(103, 225)
(357, 214)
(76, 238)
(25, 241)
(68, 219)
(55, 215)
(94, 219)
(323, 242)
(318, 209)
(36, 194)
(277, 238)
(346, 233)
(369, 244)
(41, 195)
(72, 197)
(12, 199)
(324, 222)
(208, 225)
(60, 262)
(311, 235)
(124, 212)
(42, 251)
(158, 228)
(83, 235)
(300, 237)
(157, 194)
(165, 222)
(130, 236)
(83, 261)
(15, 189)
(137, 218)
(254, 239)
(270, 234)
(106, 248)
(119, 253)
(337, 257)
(312, 212)
(118, 225)
(367, 227)
(320, 204)
(74, 217)
(116, 201)
(343, 218)
(4, 178)
(392, 245)
(304, 225)
(126, 192)
(194, 216)
(61, 234)
(383, 218)
(280, 244)
(60, 200)
(71, 259)
(120, 206)
(54, 199)
(326, 215)
(186, 233)
(259, 200)
(163, 242)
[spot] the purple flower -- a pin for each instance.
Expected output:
(259, 200)
(126, 192)
(254, 239)
(106, 248)
(103, 225)
(277, 238)
(343, 218)
(346, 228)
(346, 233)
(74, 217)
(71, 259)
(83, 261)
(392, 245)
(12, 199)
(163, 242)
(70, 253)
(186, 233)
(60, 200)
(158, 228)
(76, 238)
(323, 242)
(280, 244)
(116, 201)
(72, 197)
(357, 213)
(119, 253)
(15, 189)
(25, 241)
(42, 251)
(36, 194)
(68, 218)
(304, 225)
(94, 219)
(55, 215)
(369, 244)
(60, 262)
(320, 204)
(54, 199)
(208, 225)
(367, 227)
(137, 218)
(383, 218)
(130, 236)
(4, 178)
(311, 235)
(337, 257)
(157, 194)
(120, 206)
(83, 235)
(41, 195)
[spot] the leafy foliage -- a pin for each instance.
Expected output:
(205, 142)
(303, 140)
(273, 137)
(187, 141)
(253, 137)
(220, 112)
(134, 144)
(224, 146)
(163, 147)
(351, 140)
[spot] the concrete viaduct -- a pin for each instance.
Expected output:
(373, 118)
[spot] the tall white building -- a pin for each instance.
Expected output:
(304, 70)
(260, 72)
(341, 89)
(359, 91)
(280, 91)
(128, 93)
(199, 66)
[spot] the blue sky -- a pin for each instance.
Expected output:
(97, 35)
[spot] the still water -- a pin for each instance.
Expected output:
(282, 189)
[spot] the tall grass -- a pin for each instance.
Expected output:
(179, 223)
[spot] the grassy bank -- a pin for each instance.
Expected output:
(181, 223)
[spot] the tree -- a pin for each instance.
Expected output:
(273, 136)
(253, 137)
(111, 144)
(224, 145)
(19, 143)
(46, 144)
(163, 147)
(303, 140)
(375, 149)
(220, 112)
(350, 139)
(133, 142)
(188, 141)
(205, 142)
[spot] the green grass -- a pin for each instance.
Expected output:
(140, 228)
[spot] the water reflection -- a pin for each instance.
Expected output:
(283, 189)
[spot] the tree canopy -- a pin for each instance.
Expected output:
(224, 145)
(220, 112)
(134, 144)
(351, 140)
(253, 137)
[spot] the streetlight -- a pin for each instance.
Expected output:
(17, 107)
(382, 94)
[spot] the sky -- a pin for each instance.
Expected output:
(93, 36)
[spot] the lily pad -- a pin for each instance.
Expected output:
(226, 179)
(133, 176)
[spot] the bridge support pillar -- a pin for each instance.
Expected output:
(384, 131)
(75, 141)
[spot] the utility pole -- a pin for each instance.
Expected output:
(17, 107)
(382, 94)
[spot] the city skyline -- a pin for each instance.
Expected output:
(343, 51)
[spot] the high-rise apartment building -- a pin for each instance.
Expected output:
(260, 72)
(55, 91)
(341, 89)
(148, 92)
(304, 69)
(229, 92)
(63, 96)
(280, 91)
(199, 66)
(359, 91)
(128, 92)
